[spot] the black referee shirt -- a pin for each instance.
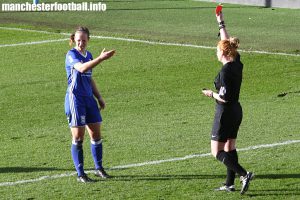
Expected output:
(228, 81)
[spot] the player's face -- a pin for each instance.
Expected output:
(81, 40)
(219, 53)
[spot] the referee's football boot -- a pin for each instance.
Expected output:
(226, 188)
(84, 179)
(245, 180)
(102, 173)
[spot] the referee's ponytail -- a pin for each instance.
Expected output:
(234, 42)
(79, 29)
(229, 47)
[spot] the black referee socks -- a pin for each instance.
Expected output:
(231, 162)
(230, 173)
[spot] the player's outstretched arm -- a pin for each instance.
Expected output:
(223, 32)
(83, 67)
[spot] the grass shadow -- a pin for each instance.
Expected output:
(27, 169)
(274, 192)
(276, 176)
(162, 177)
(286, 93)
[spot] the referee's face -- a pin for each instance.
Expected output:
(81, 40)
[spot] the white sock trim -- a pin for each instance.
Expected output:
(96, 142)
(75, 142)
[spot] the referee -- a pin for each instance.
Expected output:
(228, 114)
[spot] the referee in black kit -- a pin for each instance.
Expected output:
(228, 114)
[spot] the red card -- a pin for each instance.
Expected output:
(219, 9)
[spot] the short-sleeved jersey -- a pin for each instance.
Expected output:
(228, 81)
(78, 83)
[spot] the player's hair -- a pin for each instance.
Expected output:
(229, 47)
(79, 29)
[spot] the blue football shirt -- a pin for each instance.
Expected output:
(78, 83)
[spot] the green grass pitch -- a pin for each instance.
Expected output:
(155, 110)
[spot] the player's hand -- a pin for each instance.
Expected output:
(106, 54)
(220, 17)
(101, 103)
(207, 93)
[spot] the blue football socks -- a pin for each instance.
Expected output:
(77, 155)
(96, 149)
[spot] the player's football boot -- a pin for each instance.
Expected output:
(102, 173)
(84, 179)
(226, 188)
(245, 180)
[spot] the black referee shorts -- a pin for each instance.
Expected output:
(226, 122)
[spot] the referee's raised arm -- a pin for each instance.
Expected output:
(223, 32)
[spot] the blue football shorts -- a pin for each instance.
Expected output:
(81, 110)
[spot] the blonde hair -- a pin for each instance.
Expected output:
(79, 29)
(229, 47)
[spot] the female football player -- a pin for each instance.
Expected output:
(228, 114)
(81, 106)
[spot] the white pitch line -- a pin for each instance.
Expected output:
(27, 30)
(202, 155)
(32, 43)
(38, 179)
(188, 45)
(156, 162)
(151, 42)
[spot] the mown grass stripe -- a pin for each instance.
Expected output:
(154, 42)
(156, 162)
